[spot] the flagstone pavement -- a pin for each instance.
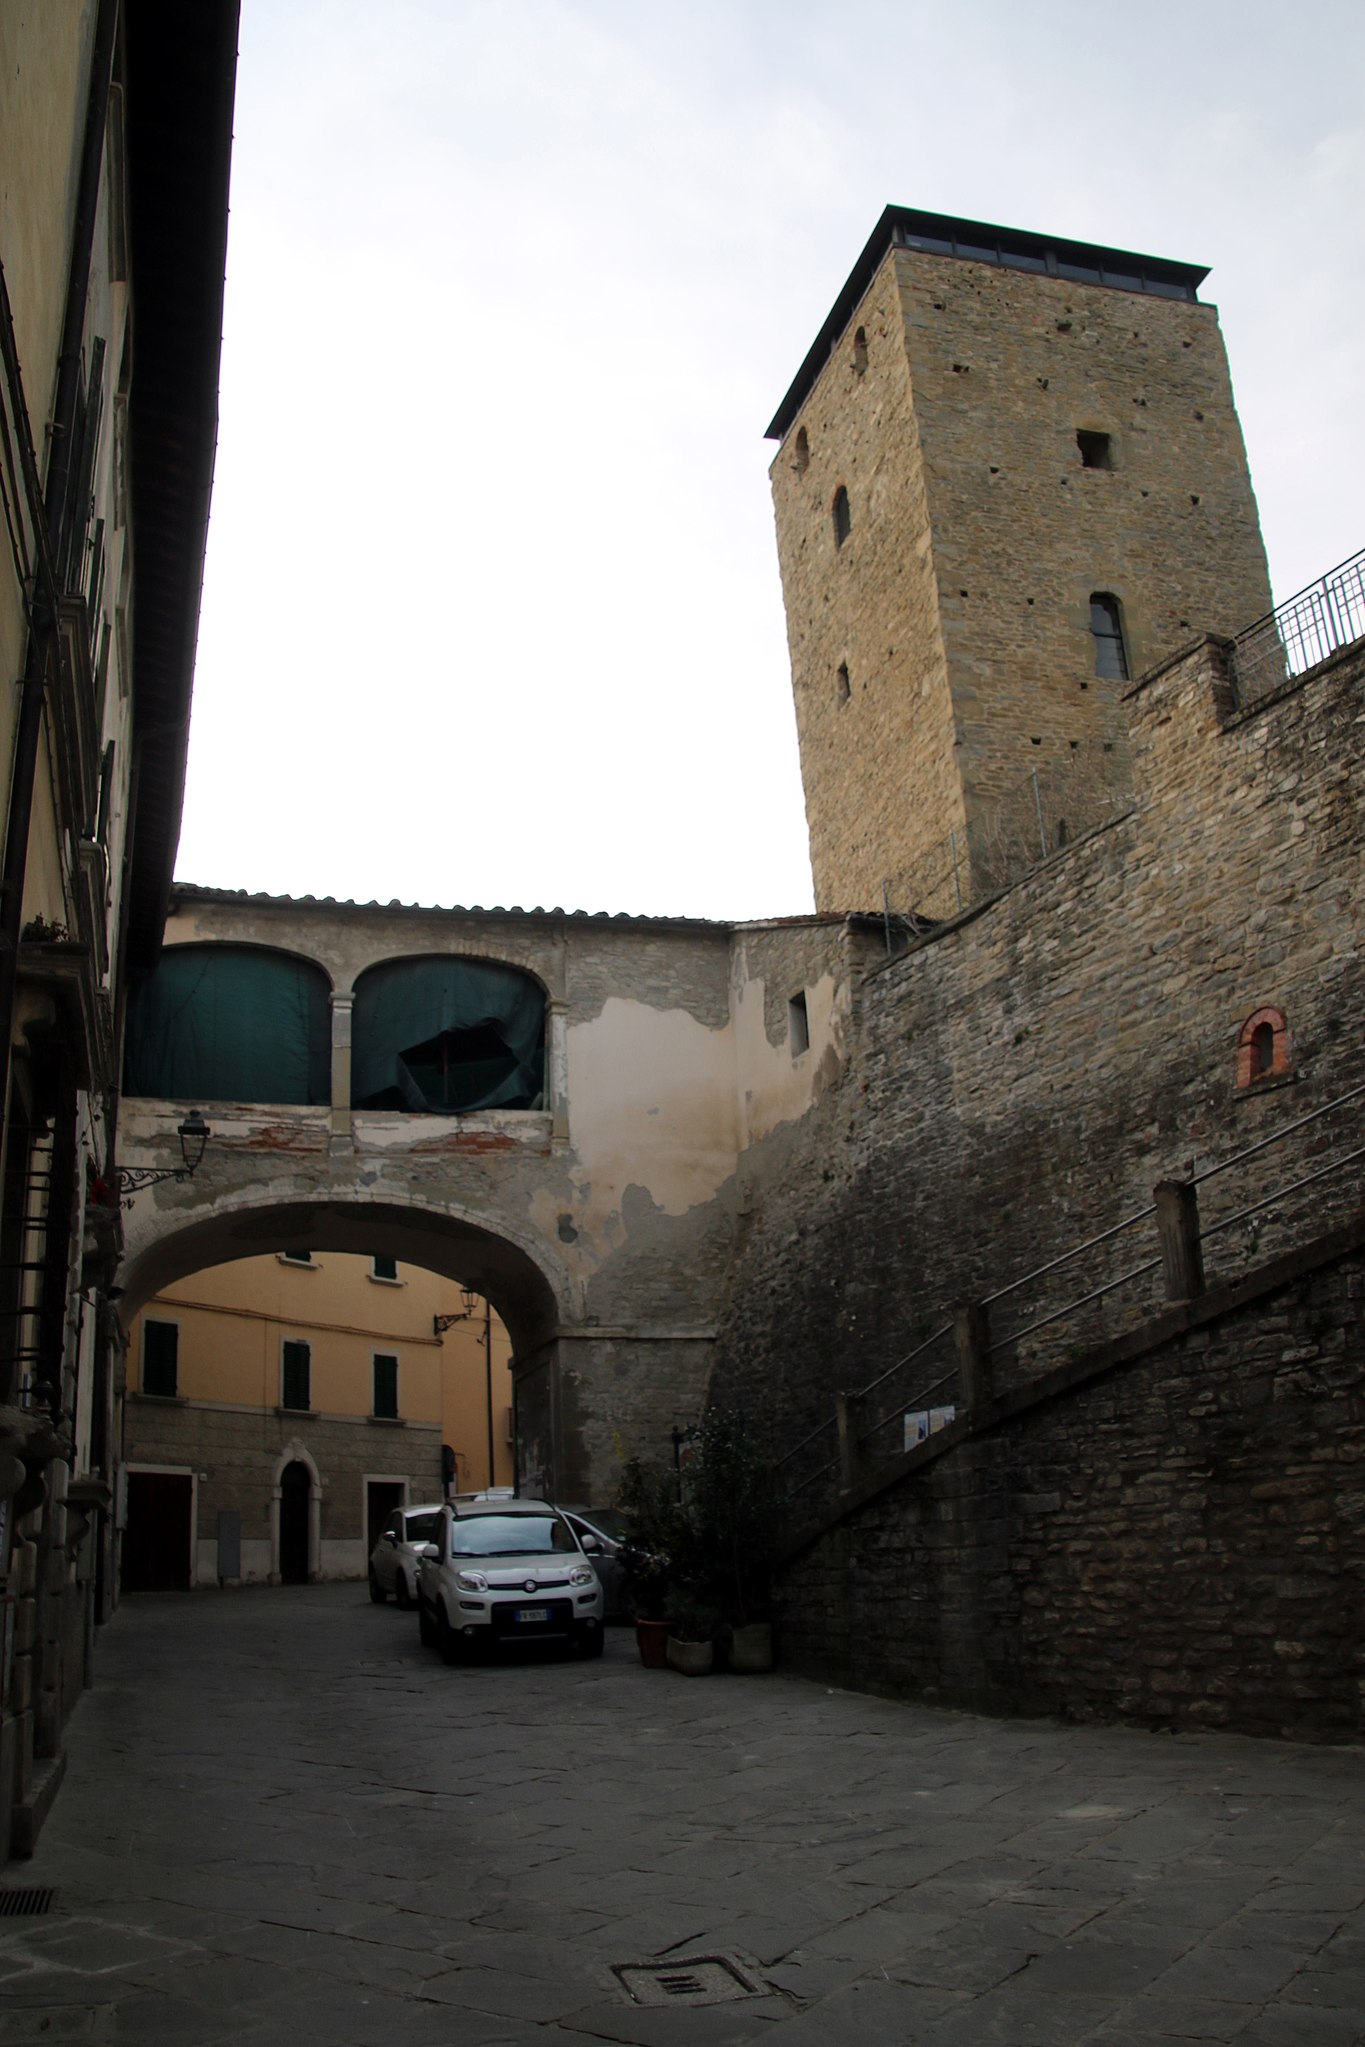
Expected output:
(285, 1821)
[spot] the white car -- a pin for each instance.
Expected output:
(503, 1573)
(394, 1558)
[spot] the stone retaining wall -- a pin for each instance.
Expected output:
(1171, 1532)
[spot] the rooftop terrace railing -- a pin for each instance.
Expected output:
(1300, 633)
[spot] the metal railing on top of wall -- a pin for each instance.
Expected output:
(1300, 633)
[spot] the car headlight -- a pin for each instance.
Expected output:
(471, 1581)
(582, 1574)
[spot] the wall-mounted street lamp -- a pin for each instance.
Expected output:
(194, 1134)
(440, 1323)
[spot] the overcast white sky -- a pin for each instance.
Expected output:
(492, 611)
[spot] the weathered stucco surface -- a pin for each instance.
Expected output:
(600, 1225)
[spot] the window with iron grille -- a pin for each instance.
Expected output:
(296, 1362)
(160, 1358)
(385, 1386)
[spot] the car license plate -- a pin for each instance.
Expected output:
(532, 1615)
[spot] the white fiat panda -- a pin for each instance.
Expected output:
(503, 1573)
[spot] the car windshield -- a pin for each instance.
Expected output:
(421, 1527)
(509, 1535)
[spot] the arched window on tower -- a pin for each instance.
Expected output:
(801, 451)
(860, 350)
(843, 523)
(1106, 629)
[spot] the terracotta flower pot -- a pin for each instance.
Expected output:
(651, 1638)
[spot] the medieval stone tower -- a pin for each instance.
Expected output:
(1011, 478)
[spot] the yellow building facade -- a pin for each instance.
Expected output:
(278, 1408)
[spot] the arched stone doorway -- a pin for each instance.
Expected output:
(296, 1496)
(525, 1284)
(295, 1517)
(571, 1362)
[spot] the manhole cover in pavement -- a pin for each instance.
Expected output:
(692, 1979)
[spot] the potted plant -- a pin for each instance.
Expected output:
(730, 1516)
(692, 1637)
(647, 1499)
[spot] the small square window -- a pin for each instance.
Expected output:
(384, 1268)
(1097, 450)
(798, 1024)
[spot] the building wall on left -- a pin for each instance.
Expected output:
(110, 110)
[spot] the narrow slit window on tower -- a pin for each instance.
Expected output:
(798, 1024)
(1097, 450)
(843, 523)
(801, 452)
(1106, 629)
(860, 350)
(843, 687)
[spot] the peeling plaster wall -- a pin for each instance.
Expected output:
(602, 1227)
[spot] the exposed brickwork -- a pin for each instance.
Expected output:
(960, 600)
(1177, 1542)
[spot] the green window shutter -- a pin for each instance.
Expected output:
(386, 1386)
(297, 1359)
(160, 1356)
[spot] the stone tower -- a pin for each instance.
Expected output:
(1011, 478)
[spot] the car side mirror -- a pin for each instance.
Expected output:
(591, 1546)
(390, 1538)
(430, 1551)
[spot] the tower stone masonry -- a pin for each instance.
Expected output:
(1011, 477)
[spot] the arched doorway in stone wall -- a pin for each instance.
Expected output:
(293, 1462)
(296, 1495)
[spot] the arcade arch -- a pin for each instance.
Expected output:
(325, 1375)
